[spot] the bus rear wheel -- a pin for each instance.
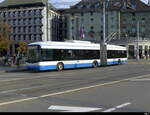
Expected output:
(95, 64)
(60, 66)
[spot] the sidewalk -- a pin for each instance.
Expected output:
(13, 68)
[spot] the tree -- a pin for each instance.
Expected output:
(22, 49)
(5, 29)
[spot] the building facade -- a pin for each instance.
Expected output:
(30, 21)
(86, 17)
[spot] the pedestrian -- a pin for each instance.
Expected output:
(14, 59)
(147, 57)
(6, 60)
(18, 60)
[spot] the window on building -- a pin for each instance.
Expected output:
(133, 14)
(18, 30)
(72, 21)
(29, 29)
(92, 19)
(14, 38)
(82, 20)
(29, 37)
(143, 20)
(92, 27)
(97, 5)
(112, 26)
(112, 19)
(34, 38)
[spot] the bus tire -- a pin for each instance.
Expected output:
(95, 64)
(60, 66)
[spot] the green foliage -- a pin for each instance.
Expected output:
(4, 37)
(22, 47)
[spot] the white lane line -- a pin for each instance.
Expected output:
(110, 110)
(12, 80)
(18, 101)
(21, 89)
(117, 107)
(140, 80)
(70, 91)
(36, 77)
(72, 109)
(8, 91)
(123, 105)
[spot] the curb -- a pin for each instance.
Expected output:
(17, 70)
(138, 63)
(2, 71)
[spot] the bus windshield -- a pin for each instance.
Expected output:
(33, 54)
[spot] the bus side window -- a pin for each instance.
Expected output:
(62, 54)
(57, 55)
(76, 54)
(68, 54)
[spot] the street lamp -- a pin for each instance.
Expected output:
(71, 28)
(47, 20)
(137, 52)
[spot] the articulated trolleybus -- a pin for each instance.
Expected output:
(71, 54)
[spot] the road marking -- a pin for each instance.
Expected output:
(18, 101)
(8, 91)
(12, 80)
(21, 89)
(17, 79)
(72, 109)
(110, 110)
(140, 80)
(117, 107)
(36, 77)
(70, 91)
(123, 105)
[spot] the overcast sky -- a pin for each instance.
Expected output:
(65, 3)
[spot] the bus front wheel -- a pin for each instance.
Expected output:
(60, 66)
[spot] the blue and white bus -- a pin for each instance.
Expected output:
(52, 55)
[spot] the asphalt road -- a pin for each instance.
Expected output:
(120, 88)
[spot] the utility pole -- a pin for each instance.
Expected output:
(138, 35)
(47, 20)
(103, 46)
(104, 20)
(71, 30)
(77, 27)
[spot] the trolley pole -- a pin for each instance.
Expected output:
(103, 47)
(138, 35)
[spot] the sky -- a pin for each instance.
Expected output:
(66, 3)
